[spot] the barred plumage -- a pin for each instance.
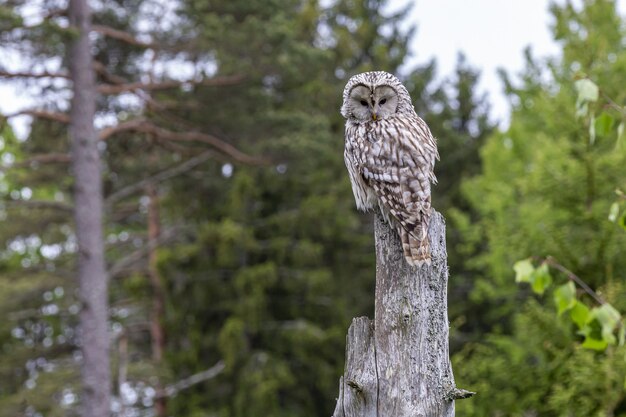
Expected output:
(390, 155)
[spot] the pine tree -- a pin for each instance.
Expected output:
(545, 190)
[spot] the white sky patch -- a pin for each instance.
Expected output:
(491, 33)
(19, 95)
(227, 170)
(162, 11)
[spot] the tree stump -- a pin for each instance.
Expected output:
(398, 365)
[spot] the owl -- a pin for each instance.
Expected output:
(390, 155)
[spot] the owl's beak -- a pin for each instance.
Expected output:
(374, 116)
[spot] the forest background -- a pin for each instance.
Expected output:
(235, 255)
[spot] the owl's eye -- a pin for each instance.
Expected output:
(364, 103)
(383, 101)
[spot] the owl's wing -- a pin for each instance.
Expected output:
(398, 163)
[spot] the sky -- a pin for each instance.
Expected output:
(492, 33)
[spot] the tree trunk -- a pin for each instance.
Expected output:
(398, 365)
(95, 372)
(157, 332)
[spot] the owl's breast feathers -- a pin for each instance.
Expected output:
(391, 163)
(392, 150)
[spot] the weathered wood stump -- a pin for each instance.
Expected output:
(398, 365)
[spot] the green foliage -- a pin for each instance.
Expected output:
(565, 299)
(617, 211)
(546, 190)
(539, 278)
(263, 266)
(587, 92)
(278, 263)
(598, 325)
(538, 370)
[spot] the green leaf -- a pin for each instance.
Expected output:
(622, 220)
(582, 108)
(592, 129)
(621, 334)
(593, 335)
(523, 270)
(620, 144)
(604, 124)
(587, 90)
(540, 279)
(595, 344)
(613, 212)
(608, 317)
(579, 314)
(565, 297)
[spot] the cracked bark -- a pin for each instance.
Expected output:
(398, 364)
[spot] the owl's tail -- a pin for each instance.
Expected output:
(416, 250)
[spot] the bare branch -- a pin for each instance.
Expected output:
(101, 69)
(573, 277)
(47, 158)
(613, 105)
(143, 126)
(129, 125)
(22, 74)
(159, 177)
(165, 85)
(41, 114)
(140, 254)
(120, 35)
(194, 379)
(39, 204)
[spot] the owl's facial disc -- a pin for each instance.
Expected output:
(385, 101)
(361, 105)
(367, 105)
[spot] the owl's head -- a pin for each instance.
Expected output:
(372, 96)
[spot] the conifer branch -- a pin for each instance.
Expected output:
(159, 177)
(192, 380)
(127, 126)
(120, 35)
(119, 266)
(142, 126)
(47, 158)
(26, 74)
(40, 204)
(166, 85)
(101, 69)
(41, 114)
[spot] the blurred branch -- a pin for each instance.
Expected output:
(20, 74)
(120, 35)
(159, 177)
(41, 114)
(613, 105)
(40, 204)
(118, 267)
(573, 277)
(48, 158)
(165, 85)
(129, 125)
(142, 126)
(194, 379)
(101, 69)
